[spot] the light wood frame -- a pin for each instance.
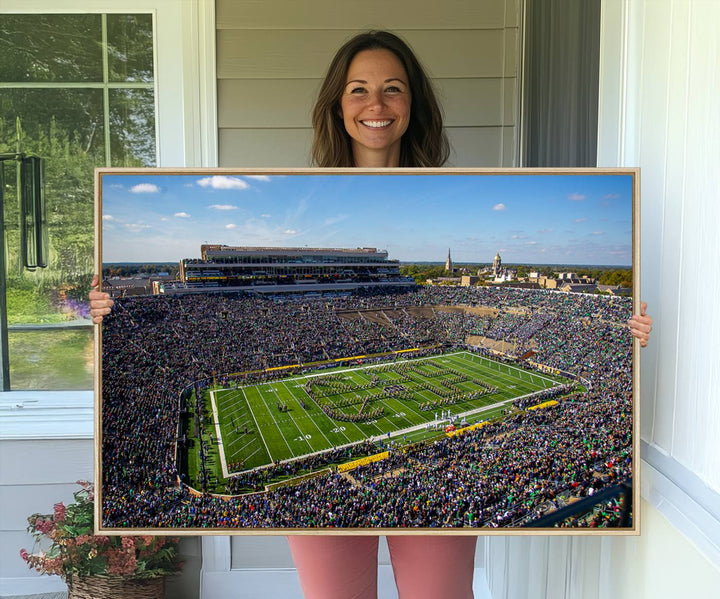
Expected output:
(633, 173)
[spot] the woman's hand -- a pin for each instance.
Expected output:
(100, 302)
(641, 325)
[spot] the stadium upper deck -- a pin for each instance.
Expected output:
(239, 266)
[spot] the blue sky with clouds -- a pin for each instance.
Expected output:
(534, 219)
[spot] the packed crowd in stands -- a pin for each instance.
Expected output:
(503, 474)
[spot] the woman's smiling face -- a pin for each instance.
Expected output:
(375, 107)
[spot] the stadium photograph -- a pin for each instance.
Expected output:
(444, 350)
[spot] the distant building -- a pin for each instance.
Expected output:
(123, 287)
(615, 290)
(500, 274)
(226, 266)
(448, 263)
(497, 265)
(548, 283)
(504, 276)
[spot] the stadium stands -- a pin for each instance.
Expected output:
(504, 474)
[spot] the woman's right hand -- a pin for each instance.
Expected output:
(100, 302)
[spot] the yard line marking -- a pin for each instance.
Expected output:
(295, 424)
(237, 397)
(235, 440)
(408, 405)
(216, 421)
(258, 428)
(363, 434)
(500, 377)
(245, 445)
(246, 457)
(554, 383)
(311, 420)
(275, 421)
(394, 414)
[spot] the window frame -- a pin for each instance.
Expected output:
(185, 30)
(184, 33)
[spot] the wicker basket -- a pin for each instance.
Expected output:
(116, 587)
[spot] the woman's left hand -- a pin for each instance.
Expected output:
(641, 325)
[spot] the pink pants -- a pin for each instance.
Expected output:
(345, 567)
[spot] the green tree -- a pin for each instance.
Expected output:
(66, 127)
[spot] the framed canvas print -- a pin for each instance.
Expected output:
(407, 350)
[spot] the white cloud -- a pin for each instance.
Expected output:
(137, 227)
(545, 231)
(164, 219)
(598, 233)
(108, 217)
(576, 197)
(258, 177)
(145, 188)
(266, 215)
(499, 207)
(290, 232)
(223, 207)
(531, 243)
(580, 220)
(222, 182)
(181, 215)
(611, 196)
(230, 226)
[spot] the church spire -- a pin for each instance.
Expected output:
(448, 263)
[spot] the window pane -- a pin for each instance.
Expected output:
(52, 118)
(132, 127)
(53, 359)
(66, 127)
(130, 48)
(37, 48)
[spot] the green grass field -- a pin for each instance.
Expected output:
(253, 431)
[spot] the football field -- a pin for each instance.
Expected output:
(401, 401)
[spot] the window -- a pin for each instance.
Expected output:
(77, 90)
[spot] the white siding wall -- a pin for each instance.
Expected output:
(672, 132)
(271, 57)
(45, 447)
(660, 84)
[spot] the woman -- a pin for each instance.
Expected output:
(356, 91)
(376, 108)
